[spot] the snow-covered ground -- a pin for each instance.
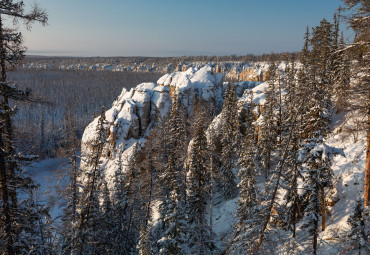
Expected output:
(50, 175)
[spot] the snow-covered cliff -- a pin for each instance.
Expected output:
(131, 116)
(129, 119)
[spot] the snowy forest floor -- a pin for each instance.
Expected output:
(50, 174)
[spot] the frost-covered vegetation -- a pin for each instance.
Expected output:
(196, 163)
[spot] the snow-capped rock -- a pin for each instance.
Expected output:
(129, 119)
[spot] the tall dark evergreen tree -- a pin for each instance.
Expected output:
(126, 215)
(121, 203)
(342, 77)
(357, 233)
(292, 135)
(177, 144)
(320, 82)
(106, 220)
(14, 224)
(172, 233)
(269, 125)
(200, 237)
(315, 157)
(339, 67)
(315, 80)
(229, 140)
(357, 15)
(88, 238)
(249, 212)
(172, 211)
(69, 146)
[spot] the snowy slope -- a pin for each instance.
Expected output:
(130, 117)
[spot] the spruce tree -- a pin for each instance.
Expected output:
(121, 203)
(87, 238)
(126, 214)
(200, 237)
(172, 213)
(340, 68)
(69, 146)
(14, 223)
(230, 134)
(291, 176)
(177, 144)
(357, 233)
(106, 220)
(342, 77)
(315, 157)
(249, 212)
(171, 236)
(269, 124)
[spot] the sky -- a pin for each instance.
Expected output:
(173, 27)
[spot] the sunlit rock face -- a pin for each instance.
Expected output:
(129, 119)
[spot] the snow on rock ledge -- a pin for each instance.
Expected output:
(129, 119)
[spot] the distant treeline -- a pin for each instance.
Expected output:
(40, 125)
(157, 61)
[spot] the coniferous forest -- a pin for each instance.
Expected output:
(195, 160)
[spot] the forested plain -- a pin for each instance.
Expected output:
(82, 93)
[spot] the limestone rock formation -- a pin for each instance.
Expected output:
(131, 115)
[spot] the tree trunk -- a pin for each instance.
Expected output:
(322, 198)
(367, 169)
(5, 203)
(314, 251)
(294, 216)
(147, 216)
(211, 197)
(280, 120)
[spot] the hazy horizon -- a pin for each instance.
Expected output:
(76, 55)
(171, 28)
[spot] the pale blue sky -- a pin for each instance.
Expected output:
(173, 28)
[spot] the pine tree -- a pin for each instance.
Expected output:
(121, 203)
(69, 146)
(88, 239)
(269, 124)
(303, 91)
(291, 175)
(172, 212)
(212, 172)
(14, 224)
(323, 46)
(126, 214)
(200, 237)
(316, 156)
(359, 92)
(340, 68)
(172, 235)
(230, 132)
(177, 144)
(342, 77)
(249, 211)
(357, 233)
(106, 220)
